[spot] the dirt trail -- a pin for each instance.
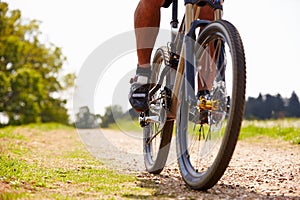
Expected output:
(258, 170)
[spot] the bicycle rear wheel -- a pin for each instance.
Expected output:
(158, 131)
(207, 131)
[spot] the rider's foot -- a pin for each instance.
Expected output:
(140, 86)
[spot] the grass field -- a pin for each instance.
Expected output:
(48, 161)
(285, 129)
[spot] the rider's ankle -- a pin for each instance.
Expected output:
(147, 65)
(145, 71)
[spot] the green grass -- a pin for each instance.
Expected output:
(286, 133)
(10, 131)
(18, 173)
(47, 126)
(126, 125)
(7, 132)
(34, 164)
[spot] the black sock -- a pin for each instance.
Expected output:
(202, 93)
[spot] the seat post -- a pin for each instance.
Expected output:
(174, 22)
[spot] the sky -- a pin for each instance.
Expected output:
(270, 31)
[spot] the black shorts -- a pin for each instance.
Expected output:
(167, 3)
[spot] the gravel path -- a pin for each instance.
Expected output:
(258, 170)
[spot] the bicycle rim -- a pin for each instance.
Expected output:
(207, 132)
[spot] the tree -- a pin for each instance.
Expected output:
(111, 114)
(255, 108)
(293, 107)
(29, 72)
(250, 108)
(85, 119)
(273, 105)
(265, 107)
(278, 107)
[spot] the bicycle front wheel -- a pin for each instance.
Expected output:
(207, 131)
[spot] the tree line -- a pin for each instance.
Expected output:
(31, 83)
(263, 107)
(272, 107)
(86, 119)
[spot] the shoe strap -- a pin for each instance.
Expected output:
(140, 79)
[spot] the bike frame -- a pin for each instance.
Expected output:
(185, 66)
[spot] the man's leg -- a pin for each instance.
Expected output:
(207, 74)
(146, 24)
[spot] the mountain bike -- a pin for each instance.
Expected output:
(200, 83)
